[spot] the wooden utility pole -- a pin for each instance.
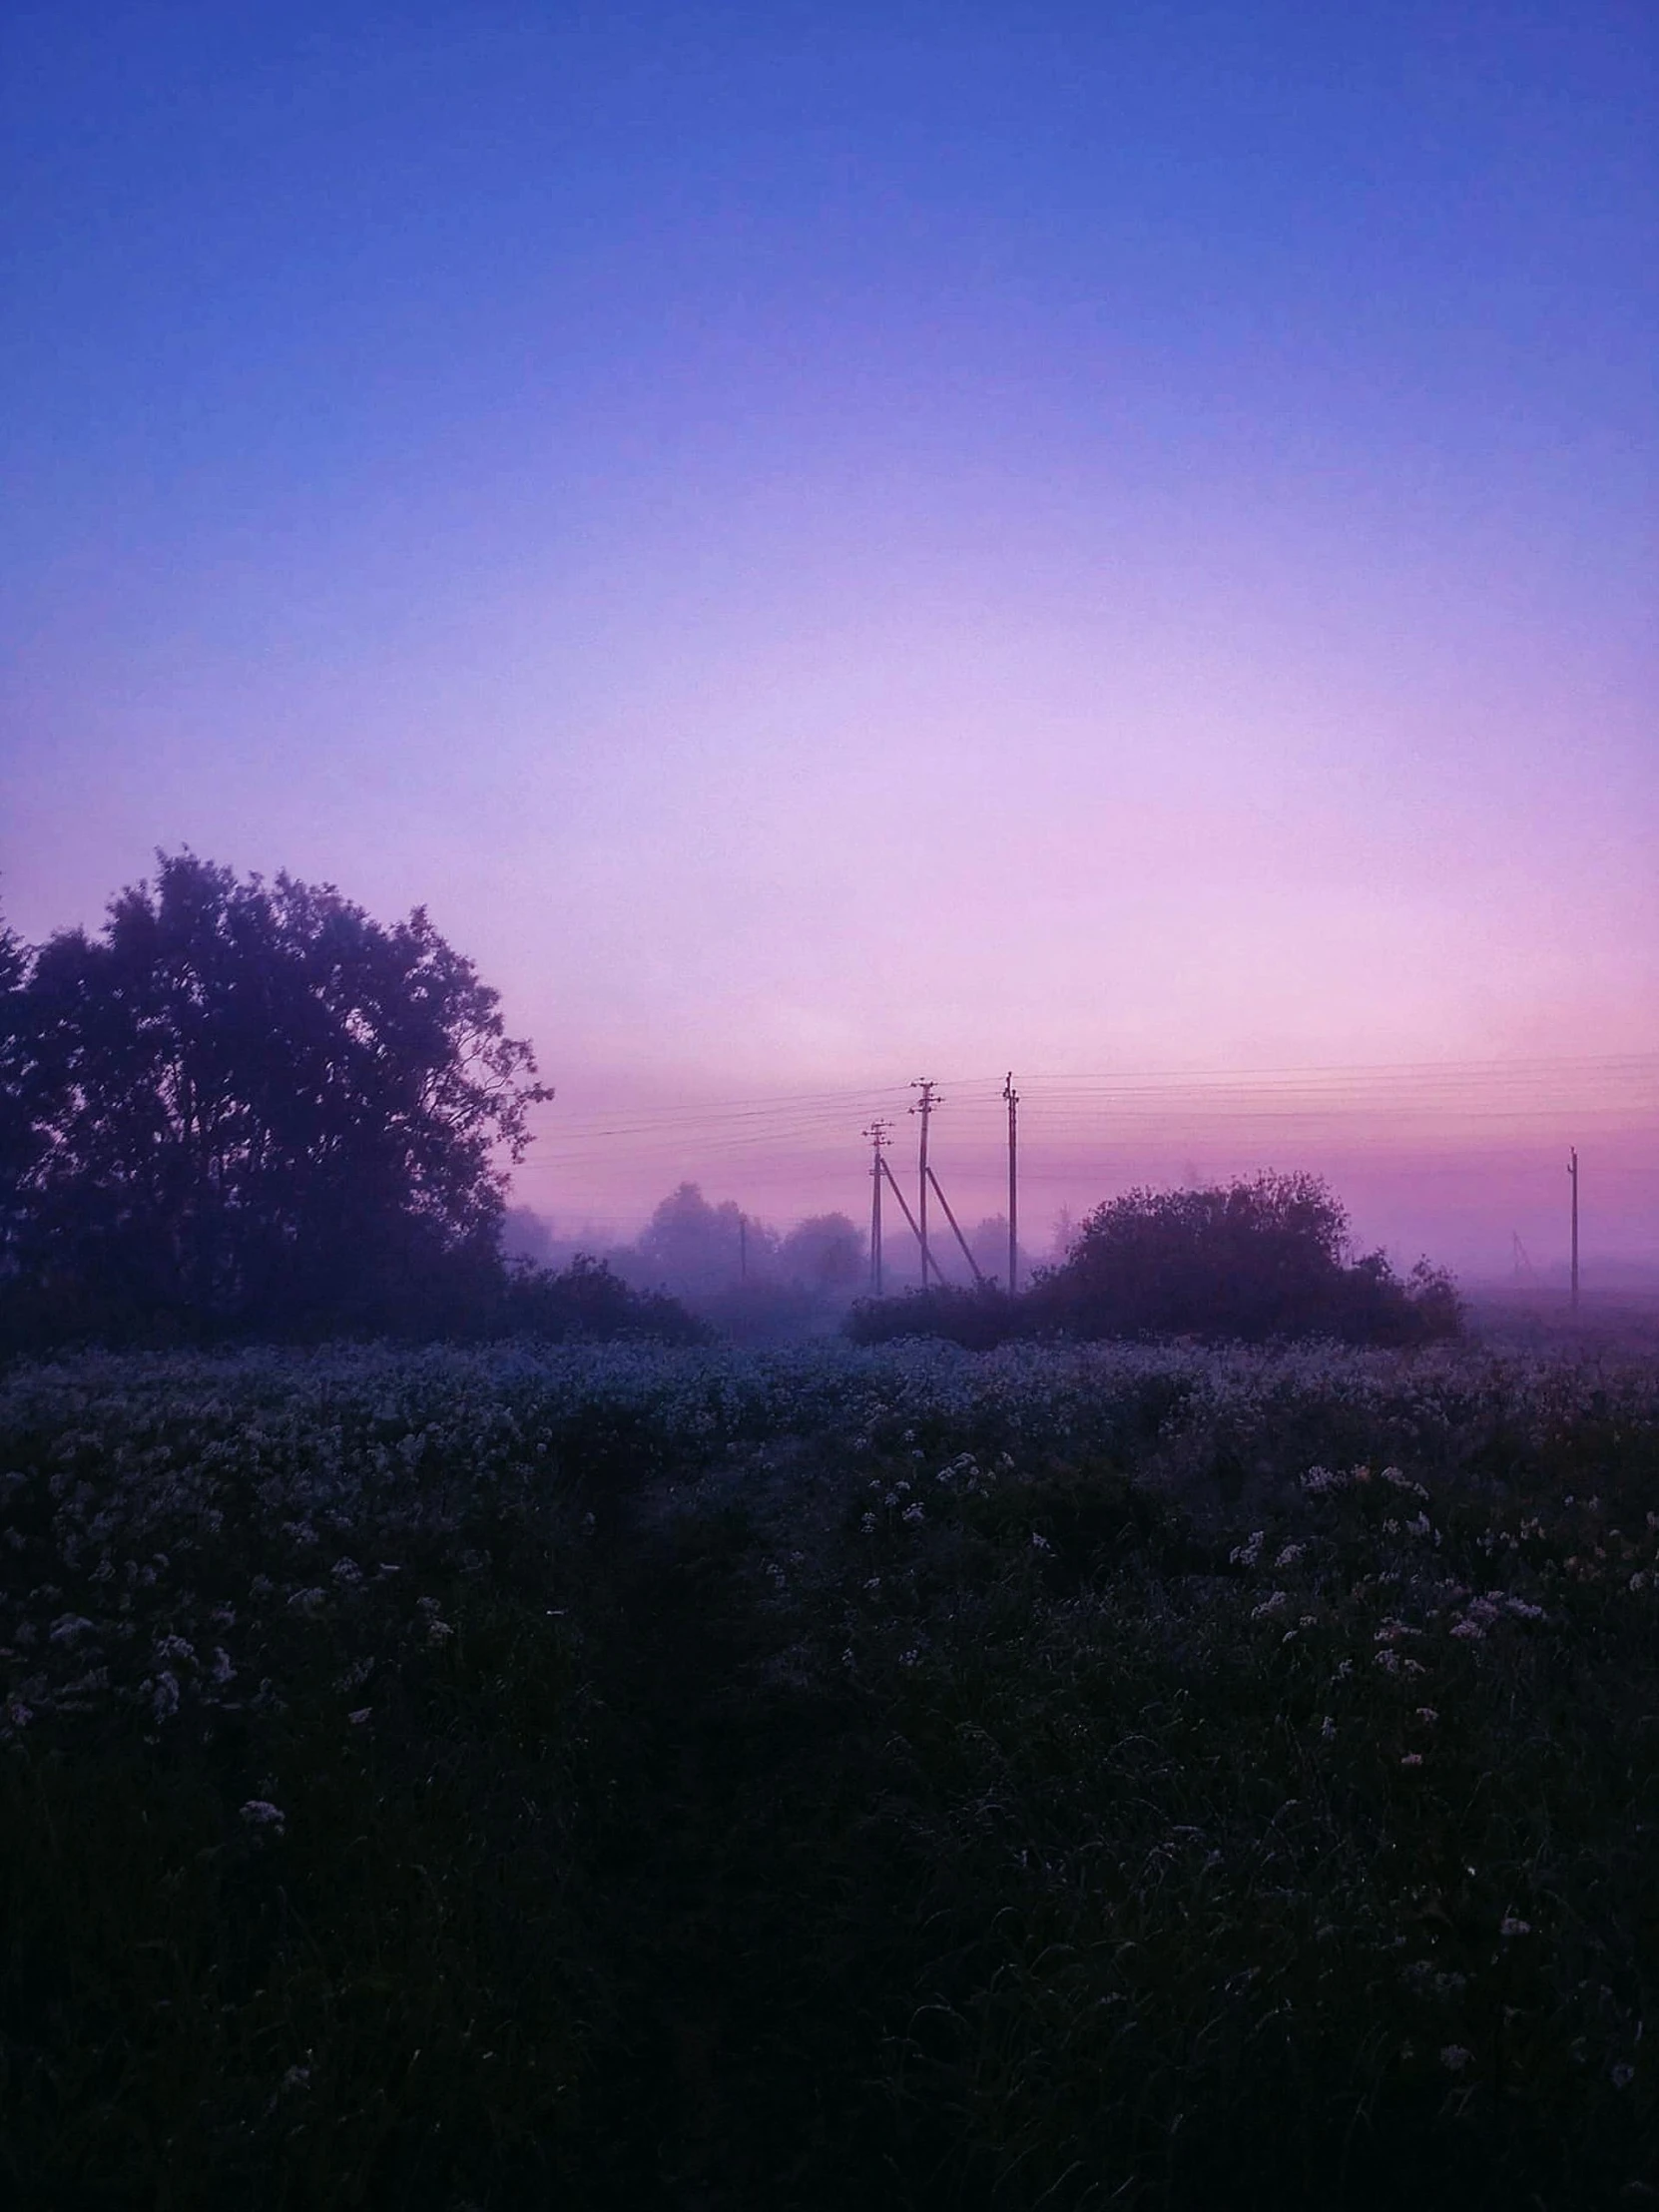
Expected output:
(742, 1248)
(924, 1106)
(878, 1135)
(1572, 1171)
(1012, 1096)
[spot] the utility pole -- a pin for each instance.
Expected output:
(879, 1138)
(1572, 1171)
(742, 1248)
(1012, 1096)
(924, 1106)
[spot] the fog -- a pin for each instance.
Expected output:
(1465, 1166)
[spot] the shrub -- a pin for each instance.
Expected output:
(976, 1319)
(587, 1300)
(1251, 1261)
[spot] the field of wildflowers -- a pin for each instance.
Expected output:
(1064, 1776)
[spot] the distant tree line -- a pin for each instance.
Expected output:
(245, 1109)
(752, 1283)
(1253, 1260)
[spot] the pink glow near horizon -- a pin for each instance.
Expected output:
(828, 550)
(1453, 1163)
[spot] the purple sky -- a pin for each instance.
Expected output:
(828, 544)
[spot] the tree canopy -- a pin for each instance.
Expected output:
(1248, 1259)
(1263, 1258)
(247, 1104)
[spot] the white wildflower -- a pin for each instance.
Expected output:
(1402, 1481)
(1319, 1479)
(1290, 1555)
(260, 1812)
(1454, 2058)
(1247, 1554)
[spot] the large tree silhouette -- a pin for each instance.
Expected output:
(247, 1104)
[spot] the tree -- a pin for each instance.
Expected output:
(697, 1249)
(20, 1140)
(1267, 1258)
(825, 1254)
(252, 1106)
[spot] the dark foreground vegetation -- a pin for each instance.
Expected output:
(1145, 1777)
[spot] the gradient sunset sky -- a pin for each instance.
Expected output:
(828, 544)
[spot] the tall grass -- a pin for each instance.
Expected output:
(1062, 1778)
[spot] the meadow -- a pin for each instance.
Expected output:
(1110, 1776)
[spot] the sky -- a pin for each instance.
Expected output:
(831, 544)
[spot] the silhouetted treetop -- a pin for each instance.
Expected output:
(1247, 1260)
(250, 1100)
(1263, 1258)
(826, 1252)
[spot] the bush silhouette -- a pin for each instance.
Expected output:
(1251, 1260)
